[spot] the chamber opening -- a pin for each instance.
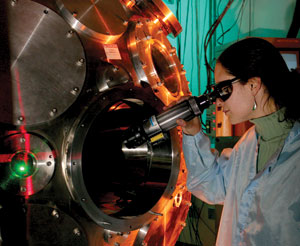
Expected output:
(122, 183)
(165, 68)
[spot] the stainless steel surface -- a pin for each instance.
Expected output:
(46, 62)
(155, 60)
(102, 20)
(141, 236)
(109, 76)
(34, 153)
(157, 10)
(74, 100)
(117, 192)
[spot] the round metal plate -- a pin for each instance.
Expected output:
(43, 163)
(155, 61)
(44, 62)
(103, 20)
(120, 189)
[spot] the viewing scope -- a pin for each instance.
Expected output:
(153, 129)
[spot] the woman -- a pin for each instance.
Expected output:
(258, 181)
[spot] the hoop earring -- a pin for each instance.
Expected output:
(254, 105)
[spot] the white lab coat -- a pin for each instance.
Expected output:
(259, 208)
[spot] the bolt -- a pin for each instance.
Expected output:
(55, 214)
(83, 199)
(76, 231)
(75, 91)
(22, 140)
(14, 2)
(189, 204)
(53, 112)
(116, 244)
(125, 22)
(80, 62)
(70, 33)
(23, 189)
(49, 163)
(46, 11)
(20, 118)
(183, 72)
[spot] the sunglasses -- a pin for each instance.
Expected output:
(224, 88)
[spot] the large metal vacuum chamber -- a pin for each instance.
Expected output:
(74, 76)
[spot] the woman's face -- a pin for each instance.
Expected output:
(238, 107)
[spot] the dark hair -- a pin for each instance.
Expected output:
(256, 57)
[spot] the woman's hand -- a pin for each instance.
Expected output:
(191, 127)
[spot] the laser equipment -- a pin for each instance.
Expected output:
(153, 129)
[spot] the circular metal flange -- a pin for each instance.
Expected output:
(155, 61)
(119, 189)
(161, 13)
(27, 163)
(43, 60)
(105, 21)
(167, 18)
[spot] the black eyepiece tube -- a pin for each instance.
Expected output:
(153, 129)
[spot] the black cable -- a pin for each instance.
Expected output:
(295, 25)
(236, 20)
(208, 37)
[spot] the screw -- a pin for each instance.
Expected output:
(80, 62)
(53, 112)
(55, 214)
(70, 33)
(23, 189)
(75, 91)
(14, 2)
(76, 231)
(22, 140)
(46, 11)
(20, 118)
(49, 163)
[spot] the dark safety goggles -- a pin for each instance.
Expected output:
(224, 88)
